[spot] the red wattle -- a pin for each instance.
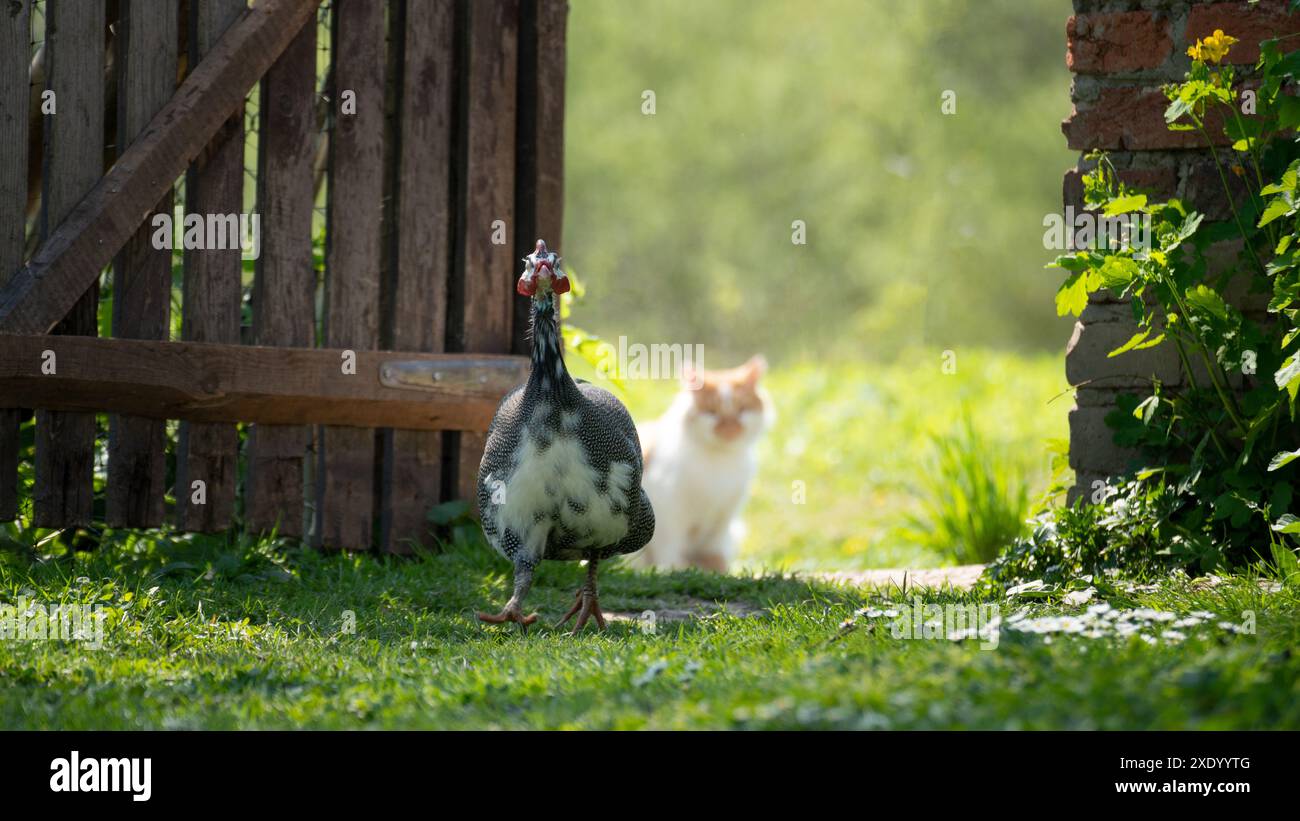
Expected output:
(526, 287)
(560, 285)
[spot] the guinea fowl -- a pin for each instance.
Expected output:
(561, 473)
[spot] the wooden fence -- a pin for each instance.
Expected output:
(333, 394)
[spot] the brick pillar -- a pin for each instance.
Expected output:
(1121, 52)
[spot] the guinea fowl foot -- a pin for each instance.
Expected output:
(510, 613)
(586, 605)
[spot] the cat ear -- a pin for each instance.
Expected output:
(755, 368)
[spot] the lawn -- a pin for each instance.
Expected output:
(203, 634)
(213, 632)
(860, 438)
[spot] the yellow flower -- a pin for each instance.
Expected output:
(1213, 48)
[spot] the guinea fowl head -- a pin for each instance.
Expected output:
(542, 280)
(542, 275)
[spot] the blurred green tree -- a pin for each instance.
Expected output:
(921, 227)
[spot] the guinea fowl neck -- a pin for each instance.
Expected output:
(549, 376)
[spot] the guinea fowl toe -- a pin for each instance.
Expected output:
(586, 605)
(509, 614)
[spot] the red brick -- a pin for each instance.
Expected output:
(1132, 119)
(1249, 23)
(1112, 43)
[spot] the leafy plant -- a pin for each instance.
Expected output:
(975, 501)
(590, 348)
(1214, 485)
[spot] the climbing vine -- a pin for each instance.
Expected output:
(1214, 485)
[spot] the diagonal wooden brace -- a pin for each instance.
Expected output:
(42, 292)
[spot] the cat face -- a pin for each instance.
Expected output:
(727, 406)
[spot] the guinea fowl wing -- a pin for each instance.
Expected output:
(494, 470)
(615, 442)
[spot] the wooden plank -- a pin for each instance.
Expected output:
(142, 274)
(207, 456)
(15, 34)
(487, 270)
(346, 479)
(204, 382)
(74, 145)
(490, 176)
(539, 198)
(412, 464)
(470, 454)
(284, 290)
(73, 254)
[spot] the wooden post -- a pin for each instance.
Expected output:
(539, 199)
(74, 159)
(207, 455)
(284, 290)
(346, 479)
(142, 275)
(15, 36)
(486, 263)
(412, 468)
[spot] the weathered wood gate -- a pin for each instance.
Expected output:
(355, 392)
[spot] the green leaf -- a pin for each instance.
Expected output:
(1277, 208)
(1287, 524)
(1117, 272)
(1208, 300)
(1132, 343)
(598, 353)
(1071, 262)
(1283, 459)
(1180, 106)
(1284, 559)
(1288, 181)
(1189, 226)
(1147, 409)
(1123, 205)
(1288, 112)
(1288, 376)
(1072, 297)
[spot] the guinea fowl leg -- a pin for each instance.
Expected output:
(513, 611)
(587, 605)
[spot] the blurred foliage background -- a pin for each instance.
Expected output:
(922, 228)
(924, 234)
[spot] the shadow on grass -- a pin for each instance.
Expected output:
(234, 577)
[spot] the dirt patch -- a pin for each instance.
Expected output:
(962, 577)
(691, 608)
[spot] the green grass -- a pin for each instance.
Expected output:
(863, 439)
(975, 500)
(207, 635)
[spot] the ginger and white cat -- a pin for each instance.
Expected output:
(700, 460)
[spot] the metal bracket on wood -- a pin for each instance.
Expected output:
(493, 376)
(207, 382)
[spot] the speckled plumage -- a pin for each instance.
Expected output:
(561, 472)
